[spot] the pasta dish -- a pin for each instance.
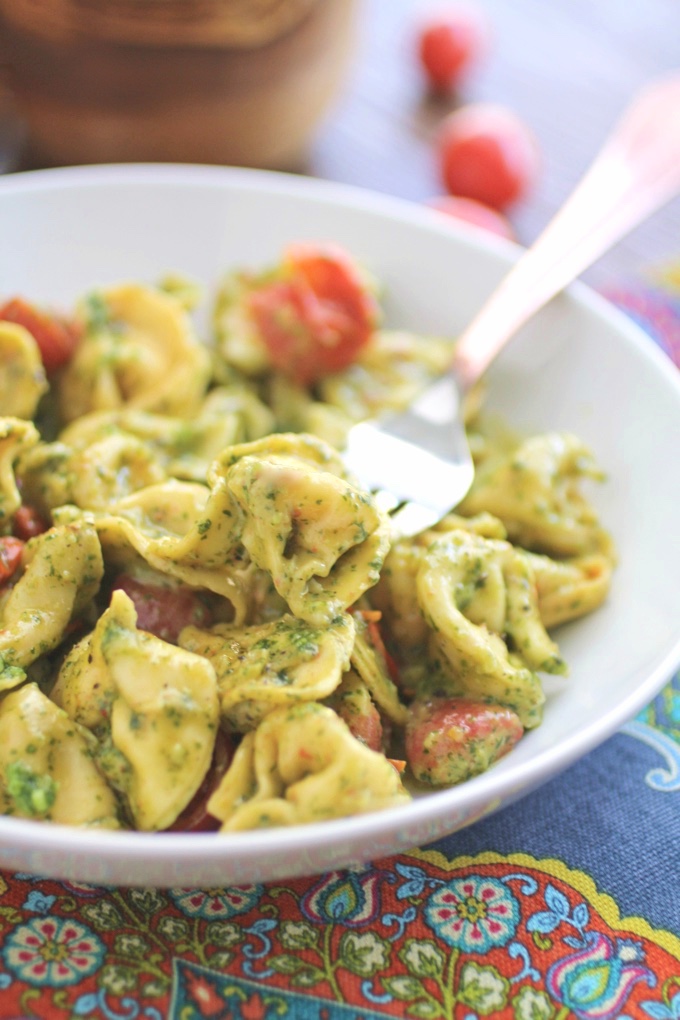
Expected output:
(204, 622)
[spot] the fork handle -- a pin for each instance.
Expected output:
(635, 173)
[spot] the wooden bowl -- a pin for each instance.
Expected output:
(240, 82)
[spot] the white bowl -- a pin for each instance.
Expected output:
(580, 365)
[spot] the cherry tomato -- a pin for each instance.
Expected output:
(450, 41)
(487, 153)
(471, 211)
(10, 557)
(56, 338)
(28, 523)
(366, 725)
(164, 611)
(315, 319)
(449, 740)
(195, 817)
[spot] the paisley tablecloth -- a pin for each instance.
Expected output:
(564, 905)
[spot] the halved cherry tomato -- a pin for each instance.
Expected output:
(28, 522)
(488, 153)
(195, 817)
(11, 549)
(450, 41)
(56, 338)
(366, 726)
(317, 317)
(164, 611)
(471, 211)
(449, 740)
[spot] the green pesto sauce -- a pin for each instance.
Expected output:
(33, 794)
(10, 675)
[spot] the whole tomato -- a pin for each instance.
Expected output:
(487, 153)
(451, 40)
(471, 211)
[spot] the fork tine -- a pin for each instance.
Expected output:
(417, 461)
(415, 515)
(411, 518)
(382, 460)
(387, 501)
(413, 485)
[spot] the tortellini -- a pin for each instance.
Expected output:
(178, 529)
(471, 596)
(153, 708)
(535, 491)
(302, 765)
(47, 766)
(272, 506)
(16, 437)
(568, 589)
(22, 380)
(182, 449)
(322, 539)
(92, 478)
(279, 663)
(469, 610)
(139, 350)
(63, 571)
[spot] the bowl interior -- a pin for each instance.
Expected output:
(579, 366)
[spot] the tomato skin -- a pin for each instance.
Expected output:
(56, 338)
(315, 319)
(487, 153)
(476, 213)
(195, 817)
(450, 41)
(365, 726)
(11, 550)
(164, 611)
(28, 523)
(449, 740)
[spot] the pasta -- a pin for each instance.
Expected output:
(203, 616)
(302, 765)
(23, 379)
(140, 352)
(63, 569)
(152, 708)
(48, 764)
(270, 664)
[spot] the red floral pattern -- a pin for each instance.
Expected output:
(561, 951)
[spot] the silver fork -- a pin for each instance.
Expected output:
(418, 462)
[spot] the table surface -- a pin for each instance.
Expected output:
(567, 67)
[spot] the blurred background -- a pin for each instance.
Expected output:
(332, 88)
